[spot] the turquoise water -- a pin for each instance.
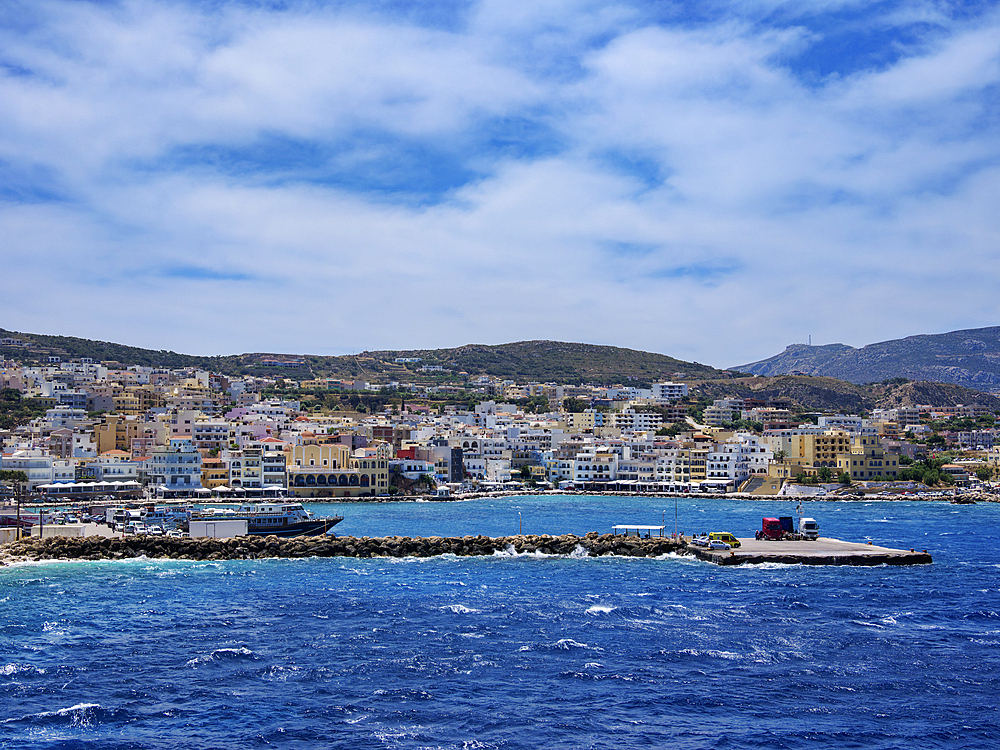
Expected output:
(517, 651)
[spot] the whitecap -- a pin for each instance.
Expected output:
(600, 609)
(80, 715)
(222, 654)
(458, 609)
(568, 644)
(9, 670)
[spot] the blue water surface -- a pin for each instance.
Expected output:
(517, 651)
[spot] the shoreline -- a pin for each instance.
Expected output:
(975, 497)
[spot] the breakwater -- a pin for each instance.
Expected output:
(257, 547)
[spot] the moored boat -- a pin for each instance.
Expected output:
(281, 518)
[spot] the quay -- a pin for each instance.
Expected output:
(822, 551)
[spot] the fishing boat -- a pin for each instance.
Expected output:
(280, 518)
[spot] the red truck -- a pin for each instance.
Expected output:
(776, 529)
(770, 528)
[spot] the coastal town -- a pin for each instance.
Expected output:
(107, 430)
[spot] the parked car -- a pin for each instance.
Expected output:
(718, 544)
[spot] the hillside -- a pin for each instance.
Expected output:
(557, 361)
(542, 361)
(40, 346)
(809, 393)
(969, 358)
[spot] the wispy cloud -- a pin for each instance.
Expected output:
(572, 170)
(196, 273)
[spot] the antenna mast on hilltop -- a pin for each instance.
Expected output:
(810, 339)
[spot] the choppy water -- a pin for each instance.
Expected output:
(517, 652)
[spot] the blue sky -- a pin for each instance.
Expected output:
(709, 180)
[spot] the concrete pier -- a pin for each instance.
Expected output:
(823, 551)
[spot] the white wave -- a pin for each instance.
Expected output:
(568, 644)
(220, 653)
(600, 609)
(9, 670)
(593, 665)
(459, 609)
(713, 653)
(768, 566)
(81, 714)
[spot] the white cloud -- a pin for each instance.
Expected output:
(327, 180)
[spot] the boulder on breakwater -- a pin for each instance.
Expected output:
(255, 547)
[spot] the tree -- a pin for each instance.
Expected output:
(674, 429)
(984, 473)
(574, 405)
(525, 472)
(825, 474)
(845, 479)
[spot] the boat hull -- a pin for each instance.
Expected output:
(313, 527)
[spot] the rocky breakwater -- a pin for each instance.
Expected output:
(256, 547)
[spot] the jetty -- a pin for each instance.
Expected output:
(257, 547)
(822, 551)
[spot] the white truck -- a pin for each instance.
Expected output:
(809, 528)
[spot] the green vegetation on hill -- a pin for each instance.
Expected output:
(40, 347)
(541, 361)
(16, 410)
(560, 362)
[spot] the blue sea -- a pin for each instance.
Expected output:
(518, 651)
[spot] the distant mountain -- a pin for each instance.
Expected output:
(969, 358)
(818, 393)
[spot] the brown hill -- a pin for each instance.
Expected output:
(808, 393)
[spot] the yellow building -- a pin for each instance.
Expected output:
(585, 421)
(811, 449)
(127, 404)
(116, 433)
(866, 460)
(147, 396)
(329, 470)
(214, 472)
